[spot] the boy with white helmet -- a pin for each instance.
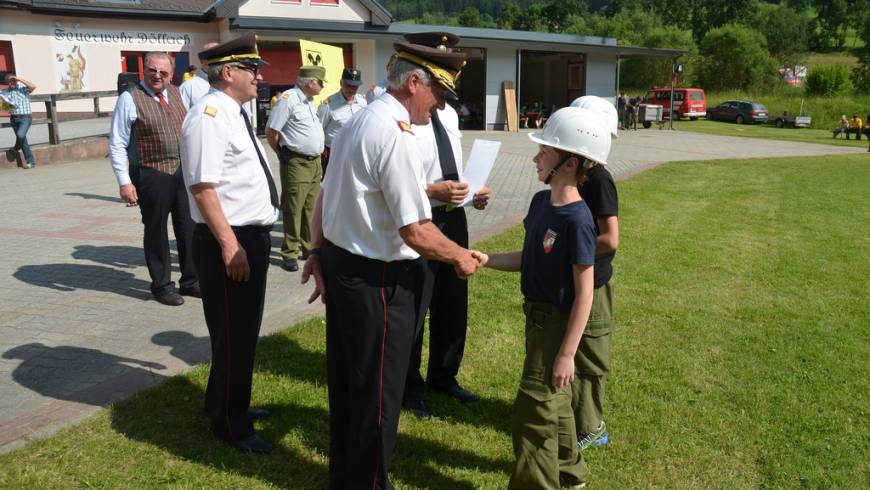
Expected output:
(593, 356)
(556, 280)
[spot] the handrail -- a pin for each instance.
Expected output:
(53, 119)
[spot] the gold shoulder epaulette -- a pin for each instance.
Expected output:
(211, 111)
(405, 127)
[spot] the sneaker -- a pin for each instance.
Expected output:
(597, 438)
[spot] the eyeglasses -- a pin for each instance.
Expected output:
(319, 82)
(254, 70)
(155, 71)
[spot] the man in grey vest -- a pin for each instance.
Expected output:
(146, 128)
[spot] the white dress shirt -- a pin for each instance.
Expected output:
(377, 90)
(295, 119)
(428, 147)
(374, 184)
(194, 89)
(336, 111)
(123, 117)
(216, 147)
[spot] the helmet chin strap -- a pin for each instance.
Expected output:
(556, 169)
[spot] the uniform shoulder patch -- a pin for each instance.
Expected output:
(405, 127)
(286, 95)
(211, 111)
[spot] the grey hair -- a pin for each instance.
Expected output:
(304, 80)
(401, 70)
(215, 73)
(158, 54)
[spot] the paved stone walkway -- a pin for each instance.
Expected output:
(78, 327)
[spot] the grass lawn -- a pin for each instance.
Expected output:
(767, 131)
(741, 359)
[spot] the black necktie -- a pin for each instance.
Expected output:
(445, 149)
(273, 191)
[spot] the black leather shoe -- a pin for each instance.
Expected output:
(253, 444)
(192, 291)
(255, 413)
(456, 391)
(11, 155)
(170, 298)
(418, 408)
(290, 265)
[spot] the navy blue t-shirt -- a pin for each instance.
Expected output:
(556, 238)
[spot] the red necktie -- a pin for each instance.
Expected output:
(162, 100)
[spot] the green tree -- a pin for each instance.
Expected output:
(470, 17)
(508, 14)
(833, 21)
(641, 73)
(735, 57)
(710, 14)
(557, 13)
(787, 32)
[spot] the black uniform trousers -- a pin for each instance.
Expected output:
(371, 316)
(233, 312)
(445, 295)
(161, 194)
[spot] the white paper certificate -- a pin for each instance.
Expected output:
(478, 166)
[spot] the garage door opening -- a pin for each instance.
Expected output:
(548, 81)
(472, 89)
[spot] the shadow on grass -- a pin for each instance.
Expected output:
(171, 417)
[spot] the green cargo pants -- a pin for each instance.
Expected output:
(544, 434)
(300, 184)
(592, 362)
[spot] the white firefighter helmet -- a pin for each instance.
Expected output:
(601, 106)
(576, 130)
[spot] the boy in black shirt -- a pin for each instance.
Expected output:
(593, 356)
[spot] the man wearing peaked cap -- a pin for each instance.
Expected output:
(295, 133)
(444, 295)
(234, 202)
(336, 110)
(436, 57)
(376, 223)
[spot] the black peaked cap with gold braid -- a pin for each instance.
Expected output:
(240, 50)
(433, 51)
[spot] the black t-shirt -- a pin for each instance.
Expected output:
(599, 192)
(556, 238)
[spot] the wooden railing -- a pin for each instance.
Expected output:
(51, 116)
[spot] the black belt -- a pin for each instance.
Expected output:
(361, 260)
(291, 153)
(202, 228)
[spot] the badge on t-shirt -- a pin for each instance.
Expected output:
(549, 240)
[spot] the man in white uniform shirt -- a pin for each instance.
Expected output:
(337, 109)
(194, 89)
(296, 135)
(376, 224)
(444, 295)
(234, 202)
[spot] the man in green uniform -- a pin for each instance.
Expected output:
(295, 133)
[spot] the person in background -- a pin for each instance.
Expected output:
(842, 127)
(146, 128)
(294, 132)
(620, 109)
(17, 96)
(195, 86)
(191, 72)
(855, 126)
(337, 109)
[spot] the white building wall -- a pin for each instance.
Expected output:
(601, 75)
(501, 66)
(345, 11)
(39, 40)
